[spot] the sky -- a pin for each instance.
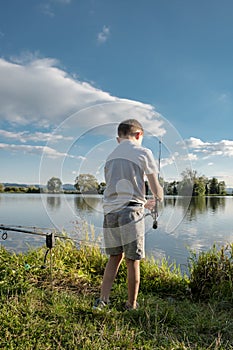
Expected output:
(71, 70)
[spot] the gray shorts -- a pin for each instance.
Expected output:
(124, 232)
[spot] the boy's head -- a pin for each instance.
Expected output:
(130, 128)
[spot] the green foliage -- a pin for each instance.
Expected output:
(185, 186)
(86, 183)
(211, 274)
(52, 308)
(194, 185)
(101, 187)
(171, 188)
(213, 186)
(13, 271)
(33, 189)
(222, 188)
(54, 184)
(163, 279)
(15, 189)
(199, 186)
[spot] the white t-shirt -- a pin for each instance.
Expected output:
(124, 175)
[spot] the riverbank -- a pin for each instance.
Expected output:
(51, 308)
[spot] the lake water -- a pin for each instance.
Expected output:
(182, 225)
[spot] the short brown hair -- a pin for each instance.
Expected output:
(129, 127)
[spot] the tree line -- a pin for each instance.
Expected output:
(190, 184)
(19, 189)
(197, 185)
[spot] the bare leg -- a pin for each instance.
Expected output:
(110, 273)
(133, 272)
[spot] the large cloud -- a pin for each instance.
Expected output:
(40, 92)
(37, 92)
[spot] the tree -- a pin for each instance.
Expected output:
(213, 187)
(171, 188)
(33, 189)
(54, 184)
(86, 183)
(199, 187)
(185, 187)
(1, 188)
(101, 187)
(222, 188)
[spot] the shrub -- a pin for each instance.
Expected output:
(163, 278)
(211, 273)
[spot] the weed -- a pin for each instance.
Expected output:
(211, 274)
(36, 315)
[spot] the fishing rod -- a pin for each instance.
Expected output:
(155, 211)
(50, 236)
(35, 231)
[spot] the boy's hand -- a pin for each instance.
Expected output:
(150, 204)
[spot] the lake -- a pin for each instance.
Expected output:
(182, 225)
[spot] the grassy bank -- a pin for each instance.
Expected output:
(52, 308)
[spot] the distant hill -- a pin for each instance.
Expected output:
(12, 184)
(229, 190)
(66, 187)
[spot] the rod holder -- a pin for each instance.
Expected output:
(50, 240)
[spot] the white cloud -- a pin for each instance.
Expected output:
(47, 10)
(36, 150)
(220, 148)
(47, 92)
(36, 91)
(25, 136)
(192, 157)
(103, 36)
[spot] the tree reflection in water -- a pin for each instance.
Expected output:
(88, 203)
(53, 202)
(200, 205)
(197, 205)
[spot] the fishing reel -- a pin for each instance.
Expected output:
(154, 215)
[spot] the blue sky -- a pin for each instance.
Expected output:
(70, 70)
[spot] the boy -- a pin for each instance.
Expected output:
(124, 202)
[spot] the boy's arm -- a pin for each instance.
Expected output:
(155, 186)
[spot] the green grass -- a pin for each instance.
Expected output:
(52, 309)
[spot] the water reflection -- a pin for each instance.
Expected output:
(197, 205)
(200, 205)
(216, 203)
(170, 201)
(88, 203)
(53, 202)
(196, 225)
